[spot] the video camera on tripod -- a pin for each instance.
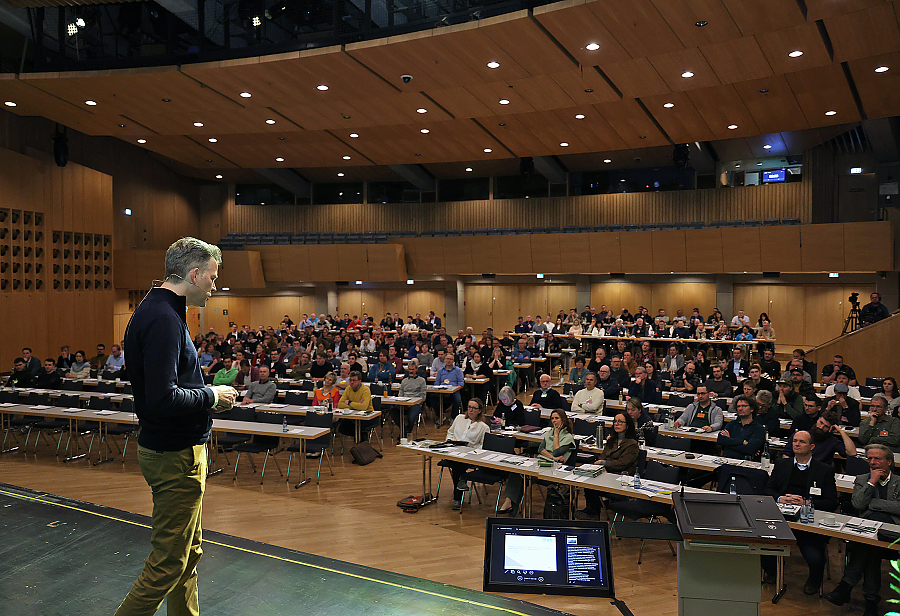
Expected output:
(854, 300)
(852, 322)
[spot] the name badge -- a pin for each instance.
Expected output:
(883, 433)
(701, 415)
(446, 381)
(815, 491)
(543, 394)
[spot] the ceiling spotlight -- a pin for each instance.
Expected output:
(72, 29)
(279, 160)
(763, 91)
(246, 95)
(737, 166)
(121, 126)
(346, 158)
(256, 22)
(219, 176)
(346, 117)
(487, 150)
(469, 169)
(796, 54)
(142, 141)
(579, 116)
(700, 24)
(759, 164)
(354, 135)
(830, 113)
(421, 110)
(732, 126)
(424, 131)
(340, 175)
(322, 87)
(607, 161)
(167, 100)
(198, 124)
(589, 90)
(882, 69)
(90, 103)
(564, 144)
(128, 211)
(687, 74)
(592, 46)
(9, 104)
(767, 147)
(504, 101)
(669, 105)
(226, 288)
(493, 64)
(270, 121)
(213, 140)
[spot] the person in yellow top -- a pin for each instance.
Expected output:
(356, 397)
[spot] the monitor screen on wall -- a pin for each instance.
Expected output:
(775, 175)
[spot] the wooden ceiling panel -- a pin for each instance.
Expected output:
(594, 130)
(517, 134)
(869, 32)
(821, 90)
(32, 101)
(822, 9)
(682, 122)
(576, 27)
(640, 29)
(722, 107)
(879, 92)
(551, 130)
(484, 168)
(763, 15)
(634, 126)
(737, 60)
(188, 151)
(670, 66)
(683, 15)
(577, 83)
(778, 44)
(774, 110)
(636, 78)
(527, 43)
(461, 103)
(490, 95)
(298, 149)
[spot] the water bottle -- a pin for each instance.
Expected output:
(637, 479)
(804, 518)
(284, 424)
(810, 511)
(731, 486)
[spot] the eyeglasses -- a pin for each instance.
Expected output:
(474, 408)
(619, 421)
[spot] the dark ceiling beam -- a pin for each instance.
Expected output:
(550, 168)
(289, 180)
(415, 175)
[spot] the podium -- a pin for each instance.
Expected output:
(718, 560)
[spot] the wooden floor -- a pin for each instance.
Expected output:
(353, 516)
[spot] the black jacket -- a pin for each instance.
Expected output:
(48, 380)
(170, 398)
(820, 474)
(549, 400)
(744, 368)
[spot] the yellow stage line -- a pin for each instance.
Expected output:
(289, 560)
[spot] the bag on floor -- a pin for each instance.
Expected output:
(363, 453)
(555, 506)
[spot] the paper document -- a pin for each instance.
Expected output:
(40, 407)
(105, 412)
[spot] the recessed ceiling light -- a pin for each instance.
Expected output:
(700, 24)
(589, 90)
(669, 105)
(796, 54)
(421, 110)
(167, 100)
(90, 103)
(579, 116)
(246, 95)
(487, 150)
(767, 147)
(121, 126)
(128, 211)
(9, 104)
(830, 113)
(198, 124)
(219, 176)
(340, 175)
(270, 121)
(322, 87)
(504, 101)
(502, 124)
(763, 91)
(642, 137)
(469, 169)
(142, 141)
(880, 69)
(354, 135)
(493, 64)
(279, 160)
(737, 166)
(732, 126)
(213, 140)
(424, 131)
(592, 46)
(607, 161)
(564, 144)
(346, 117)
(346, 158)
(226, 288)
(687, 74)
(759, 164)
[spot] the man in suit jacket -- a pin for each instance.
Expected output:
(434, 320)
(791, 482)
(547, 397)
(738, 367)
(876, 496)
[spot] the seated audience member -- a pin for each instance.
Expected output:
(521, 355)
(748, 388)
(847, 407)
(590, 398)
(841, 377)
(81, 368)
(383, 371)
(620, 455)
(413, 386)
(812, 409)
(300, 364)
(48, 378)
(674, 361)
(65, 359)
(357, 363)
(879, 427)
(20, 376)
(328, 391)
(718, 384)
(618, 329)
(579, 372)
(770, 367)
(889, 388)
(320, 367)
(787, 402)
(759, 381)
(214, 366)
(439, 361)
(874, 311)
(228, 373)
(876, 497)
(607, 383)
(702, 364)
(205, 354)
(807, 366)
(738, 366)
(829, 438)
(343, 376)
(558, 444)
(792, 481)
(263, 390)
(451, 376)
(115, 363)
(470, 428)
(509, 409)
(619, 372)
(703, 413)
(546, 397)
(99, 360)
(600, 359)
(740, 319)
(358, 397)
(687, 379)
(643, 388)
(476, 367)
(837, 365)
(628, 363)
(799, 382)
(640, 416)
(744, 437)
(246, 375)
(767, 415)
(745, 335)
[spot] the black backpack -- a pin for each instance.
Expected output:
(555, 506)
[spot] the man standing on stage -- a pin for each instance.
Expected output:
(174, 408)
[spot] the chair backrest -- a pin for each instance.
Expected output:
(128, 389)
(307, 386)
(679, 400)
(857, 466)
(106, 387)
(655, 471)
(36, 398)
(503, 444)
(642, 461)
(300, 398)
(376, 389)
(571, 388)
(270, 418)
(67, 401)
(242, 413)
(867, 391)
(664, 441)
(127, 405)
(73, 385)
(873, 381)
(531, 417)
(722, 403)
(97, 403)
(320, 420)
(585, 427)
(746, 480)
(11, 397)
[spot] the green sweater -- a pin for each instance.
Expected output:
(226, 377)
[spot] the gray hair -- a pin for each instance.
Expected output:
(887, 455)
(764, 396)
(187, 253)
(883, 398)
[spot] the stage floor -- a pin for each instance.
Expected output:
(65, 557)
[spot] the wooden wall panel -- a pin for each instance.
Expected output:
(532, 301)
(822, 248)
(506, 307)
(780, 248)
(559, 296)
(546, 251)
(637, 253)
(479, 306)
(575, 249)
(515, 254)
(858, 237)
(606, 254)
(485, 254)
(871, 351)
(741, 250)
(669, 251)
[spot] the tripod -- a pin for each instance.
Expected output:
(852, 322)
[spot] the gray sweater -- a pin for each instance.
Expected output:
(262, 392)
(412, 387)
